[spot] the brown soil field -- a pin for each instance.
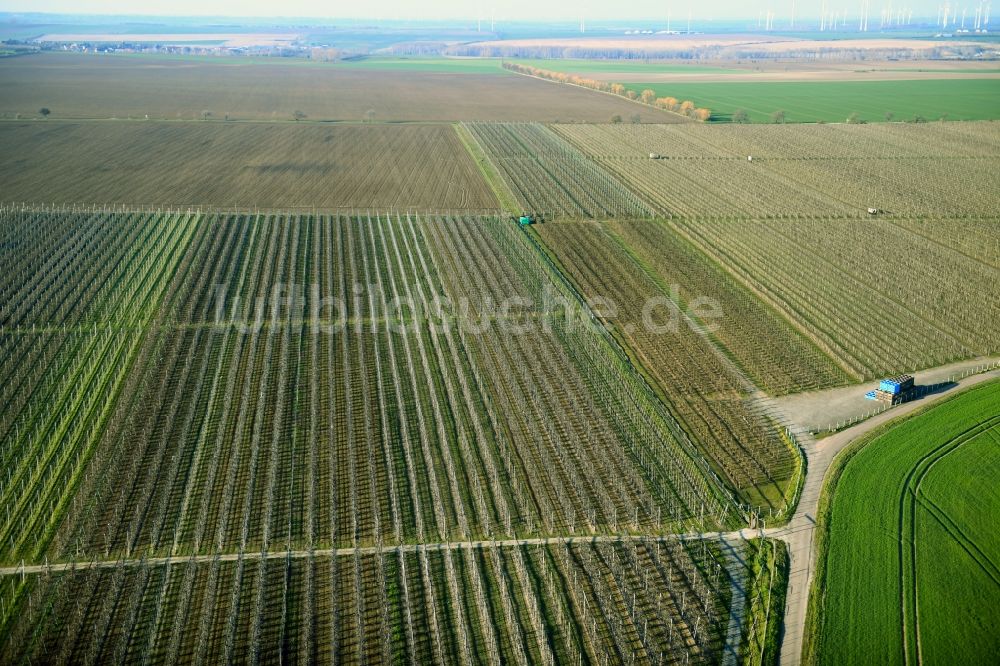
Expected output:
(80, 86)
(770, 44)
(269, 165)
(233, 39)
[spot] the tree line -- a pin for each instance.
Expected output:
(647, 96)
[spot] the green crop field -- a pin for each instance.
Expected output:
(909, 571)
(578, 66)
(431, 64)
(835, 101)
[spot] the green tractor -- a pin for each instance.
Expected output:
(526, 220)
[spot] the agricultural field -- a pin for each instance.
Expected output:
(835, 101)
(830, 279)
(651, 601)
(790, 363)
(548, 175)
(802, 171)
(768, 564)
(628, 69)
(412, 359)
(94, 86)
(245, 165)
(700, 386)
(241, 408)
(258, 434)
(635, 73)
(908, 564)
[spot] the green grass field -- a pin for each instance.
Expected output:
(579, 66)
(381, 63)
(834, 101)
(910, 570)
(432, 64)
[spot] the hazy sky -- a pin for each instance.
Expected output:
(459, 9)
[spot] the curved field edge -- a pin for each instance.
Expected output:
(813, 630)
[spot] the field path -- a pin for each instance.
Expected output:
(252, 556)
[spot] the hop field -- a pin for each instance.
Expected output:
(237, 409)
(297, 436)
(645, 601)
(548, 175)
(704, 393)
(789, 363)
(372, 419)
(932, 169)
(876, 296)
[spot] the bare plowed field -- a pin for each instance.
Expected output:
(75, 86)
(241, 164)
